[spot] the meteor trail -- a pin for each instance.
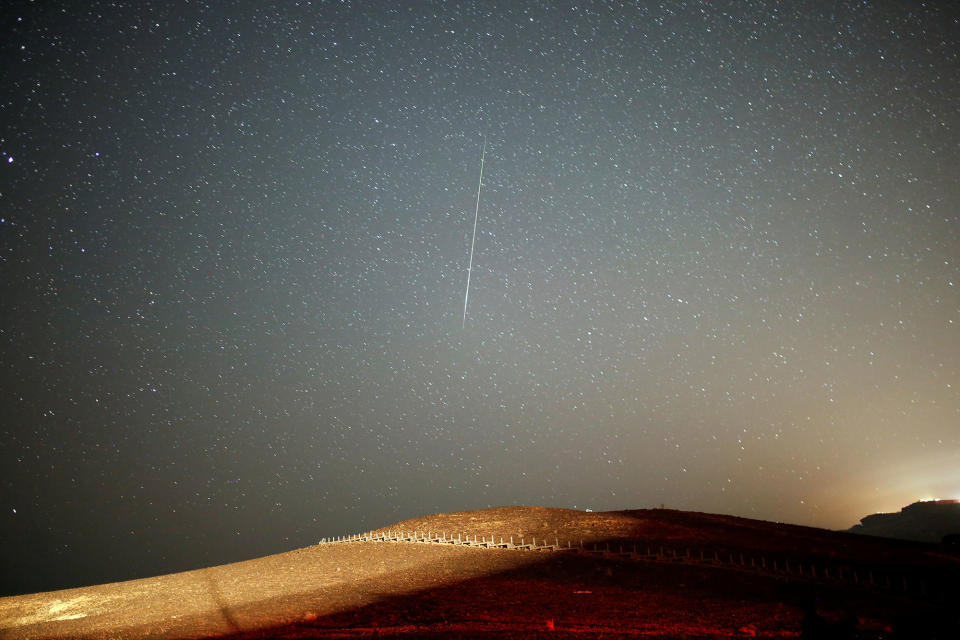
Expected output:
(476, 216)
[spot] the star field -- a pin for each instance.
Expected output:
(716, 268)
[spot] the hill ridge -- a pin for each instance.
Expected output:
(910, 577)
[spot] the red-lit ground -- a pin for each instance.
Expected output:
(399, 589)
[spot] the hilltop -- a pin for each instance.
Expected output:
(926, 521)
(653, 573)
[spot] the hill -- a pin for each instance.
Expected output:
(651, 573)
(928, 521)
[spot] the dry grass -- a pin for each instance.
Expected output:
(420, 590)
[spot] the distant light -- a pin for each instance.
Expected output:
(10, 160)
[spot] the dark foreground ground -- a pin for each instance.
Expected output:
(421, 590)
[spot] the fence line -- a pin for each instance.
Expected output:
(910, 586)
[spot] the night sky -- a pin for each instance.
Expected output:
(716, 268)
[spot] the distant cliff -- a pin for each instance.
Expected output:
(928, 521)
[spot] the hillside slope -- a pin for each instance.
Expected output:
(409, 589)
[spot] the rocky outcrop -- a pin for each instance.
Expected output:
(930, 521)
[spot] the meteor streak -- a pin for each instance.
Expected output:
(476, 216)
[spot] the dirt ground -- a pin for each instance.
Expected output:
(396, 589)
